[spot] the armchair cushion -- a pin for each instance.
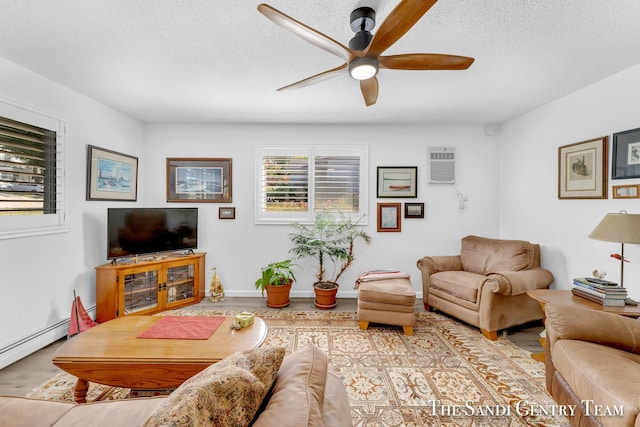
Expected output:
(481, 255)
(459, 284)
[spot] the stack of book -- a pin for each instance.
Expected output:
(600, 291)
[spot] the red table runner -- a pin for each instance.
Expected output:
(183, 327)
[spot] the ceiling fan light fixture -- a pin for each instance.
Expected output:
(363, 68)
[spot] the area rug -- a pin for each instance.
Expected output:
(446, 374)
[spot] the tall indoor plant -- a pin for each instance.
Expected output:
(276, 279)
(330, 240)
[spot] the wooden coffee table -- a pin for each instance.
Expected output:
(111, 354)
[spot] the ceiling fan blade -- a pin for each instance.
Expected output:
(369, 90)
(399, 21)
(305, 32)
(425, 61)
(325, 75)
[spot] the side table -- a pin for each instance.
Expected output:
(565, 297)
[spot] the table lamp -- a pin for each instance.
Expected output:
(620, 228)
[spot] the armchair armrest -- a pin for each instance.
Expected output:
(519, 282)
(430, 265)
(578, 323)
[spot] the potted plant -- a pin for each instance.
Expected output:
(276, 279)
(331, 242)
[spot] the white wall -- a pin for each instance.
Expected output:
(238, 248)
(530, 208)
(38, 274)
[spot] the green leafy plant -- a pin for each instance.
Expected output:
(331, 241)
(276, 274)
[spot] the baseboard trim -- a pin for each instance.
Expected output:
(33, 342)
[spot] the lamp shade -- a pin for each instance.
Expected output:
(618, 227)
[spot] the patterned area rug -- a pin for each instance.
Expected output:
(447, 374)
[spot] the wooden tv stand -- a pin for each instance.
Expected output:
(150, 285)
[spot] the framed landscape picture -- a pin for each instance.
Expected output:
(111, 175)
(397, 181)
(582, 170)
(199, 180)
(626, 154)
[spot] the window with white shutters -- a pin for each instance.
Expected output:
(295, 183)
(31, 173)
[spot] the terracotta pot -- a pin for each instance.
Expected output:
(325, 298)
(278, 296)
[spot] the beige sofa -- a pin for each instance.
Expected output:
(592, 363)
(257, 386)
(486, 285)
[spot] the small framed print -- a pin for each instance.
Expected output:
(199, 180)
(227, 213)
(626, 191)
(389, 217)
(396, 182)
(414, 210)
(582, 170)
(111, 175)
(626, 154)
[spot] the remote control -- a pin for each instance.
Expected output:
(600, 281)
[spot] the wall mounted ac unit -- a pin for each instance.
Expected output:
(442, 165)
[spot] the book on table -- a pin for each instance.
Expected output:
(600, 291)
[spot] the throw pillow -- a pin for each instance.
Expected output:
(227, 393)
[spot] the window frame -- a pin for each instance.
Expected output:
(310, 152)
(15, 226)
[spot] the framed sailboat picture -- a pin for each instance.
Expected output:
(397, 182)
(111, 175)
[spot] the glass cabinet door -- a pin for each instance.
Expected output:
(180, 283)
(141, 291)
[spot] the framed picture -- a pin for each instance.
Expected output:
(389, 217)
(111, 175)
(199, 180)
(626, 191)
(582, 170)
(227, 213)
(626, 154)
(414, 210)
(396, 182)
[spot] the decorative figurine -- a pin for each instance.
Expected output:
(216, 292)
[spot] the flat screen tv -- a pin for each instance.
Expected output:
(139, 231)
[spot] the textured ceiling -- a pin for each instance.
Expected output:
(221, 61)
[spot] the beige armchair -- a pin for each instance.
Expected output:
(486, 285)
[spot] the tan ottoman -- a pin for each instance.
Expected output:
(386, 298)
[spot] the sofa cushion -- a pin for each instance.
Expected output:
(125, 412)
(481, 255)
(15, 410)
(227, 393)
(604, 375)
(298, 393)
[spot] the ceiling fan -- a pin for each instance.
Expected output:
(364, 56)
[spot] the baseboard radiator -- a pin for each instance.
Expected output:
(35, 341)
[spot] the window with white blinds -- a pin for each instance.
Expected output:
(31, 173)
(295, 183)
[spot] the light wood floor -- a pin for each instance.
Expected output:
(24, 375)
